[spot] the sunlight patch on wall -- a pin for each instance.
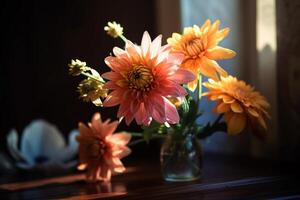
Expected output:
(266, 76)
(266, 25)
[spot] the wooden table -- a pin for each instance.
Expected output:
(224, 177)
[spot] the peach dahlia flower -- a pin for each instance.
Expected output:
(200, 49)
(143, 78)
(239, 103)
(100, 150)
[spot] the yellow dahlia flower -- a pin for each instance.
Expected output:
(239, 102)
(200, 48)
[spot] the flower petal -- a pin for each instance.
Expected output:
(193, 84)
(183, 76)
(121, 152)
(71, 150)
(155, 46)
(84, 130)
(129, 118)
(175, 58)
(253, 112)
(205, 25)
(116, 64)
(118, 165)
(119, 138)
(133, 51)
(108, 128)
(219, 53)
(220, 35)
(207, 68)
(236, 107)
(223, 33)
(214, 27)
(112, 99)
(112, 76)
(145, 43)
(236, 124)
(222, 108)
(158, 111)
(41, 139)
(172, 115)
(210, 67)
(12, 144)
(140, 114)
(227, 99)
(119, 52)
(262, 122)
(82, 166)
(169, 88)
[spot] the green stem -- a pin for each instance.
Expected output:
(136, 142)
(91, 76)
(123, 38)
(143, 140)
(200, 87)
(134, 134)
(158, 136)
(199, 90)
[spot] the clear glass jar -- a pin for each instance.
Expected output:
(181, 157)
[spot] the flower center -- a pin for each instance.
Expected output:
(194, 47)
(240, 93)
(140, 78)
(96, 149)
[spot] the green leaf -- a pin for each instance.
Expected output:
(153, 129)
(197, 129)
(192, 114)
(185, 105)
(210, 129)
(136, 134)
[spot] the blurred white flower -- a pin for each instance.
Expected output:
(43, 147)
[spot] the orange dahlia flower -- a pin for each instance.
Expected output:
(200, 49)
(239, 103)
(100, 150)
(142, 79)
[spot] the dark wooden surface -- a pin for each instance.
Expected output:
(223, 178)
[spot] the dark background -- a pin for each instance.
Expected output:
(39, 38)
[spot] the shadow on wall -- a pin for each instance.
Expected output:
(288, 78)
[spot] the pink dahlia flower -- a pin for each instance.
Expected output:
(100, 150)
(143, 78)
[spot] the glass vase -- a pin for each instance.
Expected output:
(181, 157)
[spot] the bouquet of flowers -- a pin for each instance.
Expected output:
(160, 87)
